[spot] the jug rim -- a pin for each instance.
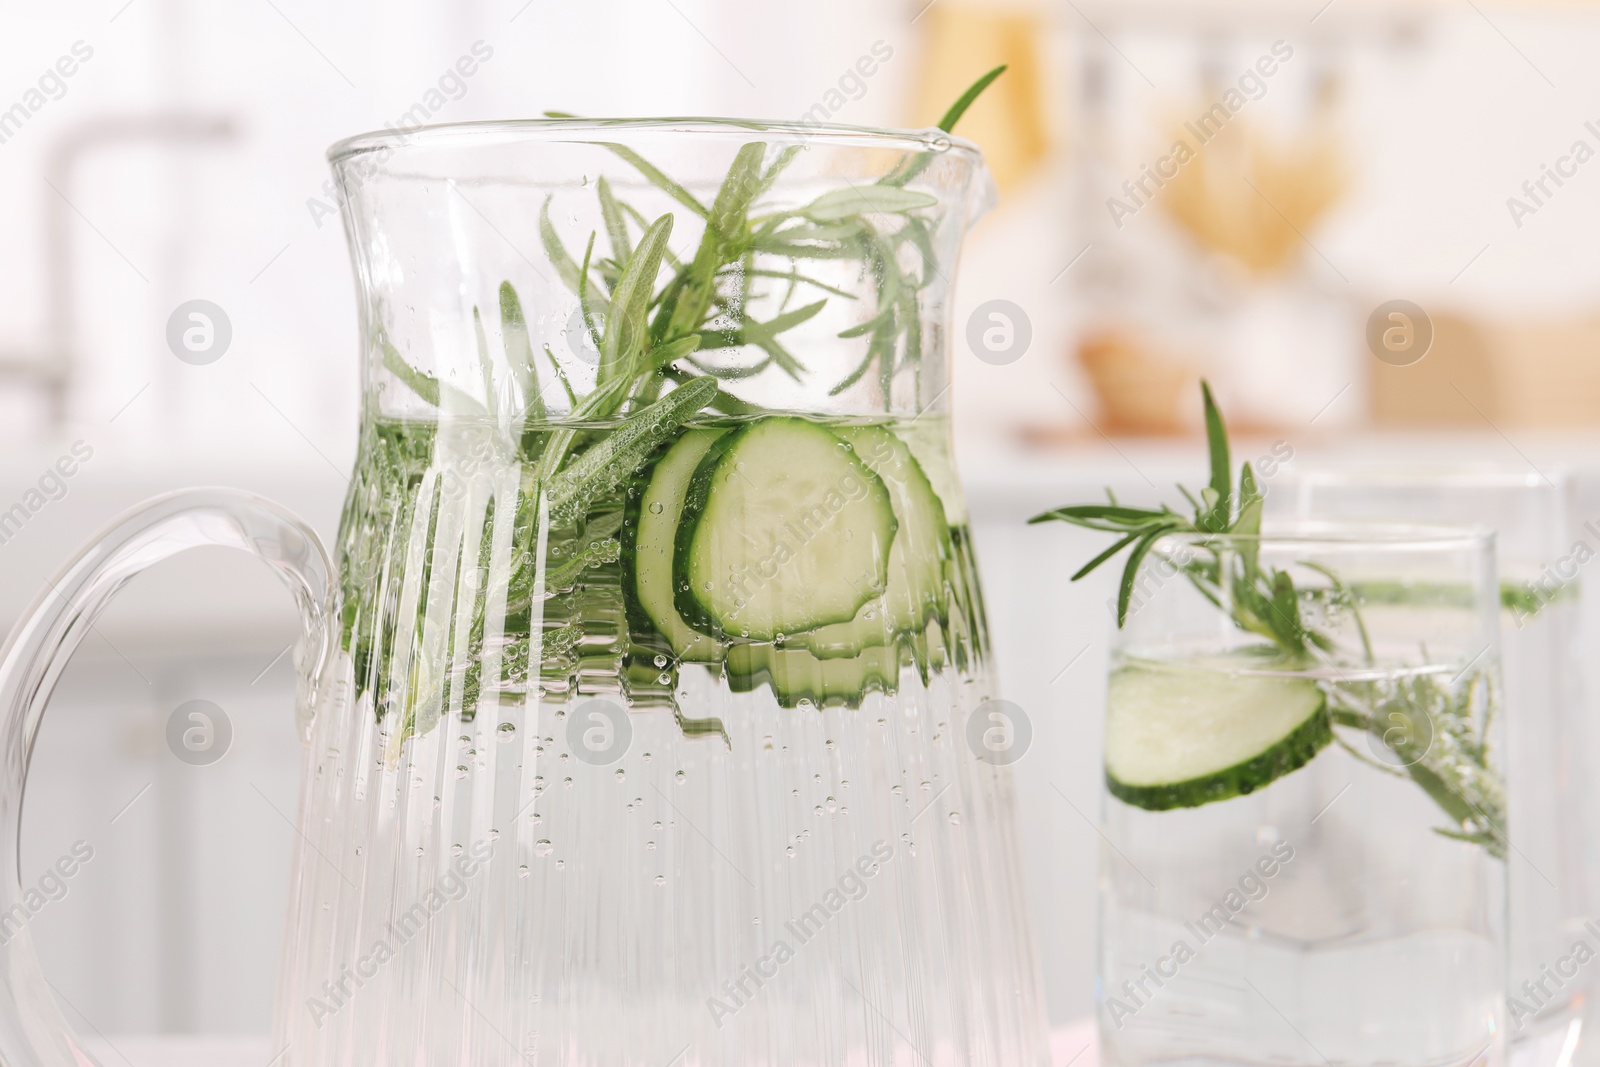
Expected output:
(929, 139)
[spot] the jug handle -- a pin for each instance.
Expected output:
(32, 1031)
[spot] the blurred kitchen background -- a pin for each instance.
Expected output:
(1363, 153)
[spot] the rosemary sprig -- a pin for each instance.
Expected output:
(654, 319)
(1439, 742)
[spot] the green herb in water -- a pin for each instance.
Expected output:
(1434, 728)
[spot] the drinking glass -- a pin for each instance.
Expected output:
(1304, 842)
(1551, 1010)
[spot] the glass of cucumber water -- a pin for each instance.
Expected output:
(1554, 869)
(636, 696)
(1304, 854)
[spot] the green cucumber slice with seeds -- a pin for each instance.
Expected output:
(783, 530)
(915, 590)
(655, 514)
(1180, 737)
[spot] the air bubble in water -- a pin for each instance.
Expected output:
(461, 772)
(679, 777)
(522, 871)
(955, 818)
(656, 507)
(660, 660)
(621, 774)
(456, 850)
(661, 879)
(508, 731)
(543, 847)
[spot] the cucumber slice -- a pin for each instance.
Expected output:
(795, 675)
(654, 514)
(915, 591)
(783, 530)
(1179, 737)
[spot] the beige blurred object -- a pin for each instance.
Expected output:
(960, 43)
(1140, 392)
(1542, 373)
(1288, 184)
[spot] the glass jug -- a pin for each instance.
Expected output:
(637, 701)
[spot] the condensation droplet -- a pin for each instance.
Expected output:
(661, 879)
(456, 850)
(461, 772)
(679, 777)
(955, 818)
(507, 731)
(522, 870)
(543, 847)
(621, 774)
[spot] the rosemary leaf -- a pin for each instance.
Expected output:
(626, 324)
(721, 242)
(565, 265)
(658, 179)
(616, 223)
(620, 452)
(836, 205)
(519, 352)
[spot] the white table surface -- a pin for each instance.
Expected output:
(1071, 1046)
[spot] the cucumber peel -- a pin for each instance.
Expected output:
(915, 591)
(651, 530)
(1180, 737)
